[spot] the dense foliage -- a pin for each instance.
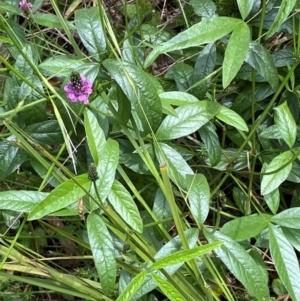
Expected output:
(150, 150)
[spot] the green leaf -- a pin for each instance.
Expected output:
(204, 32)
(20, 200)
(171, 247)
(245, 7)
(162, 209)
(272, 181)
(169, 290)
(235, 52)
(89, 27)
(94, 134)
(241, 265)
(11, 157)
(198, 196)
(138, 87)
(45, 132)
(288, 218)
(285, 261)
(211, 141)
(106, 168)
(51, 21)
(183, 256)
(245, 227)
(293, 236)
(103, 252)
(190, 118)
(132, 287)
(10, 8)
(177, 98)
(204, 66)
(261, 60)
(230, 117)
(178, 169)
(61, 197)
(204, 8)
(124, 205)
(273, 200)
(286, 124)
(286, 6)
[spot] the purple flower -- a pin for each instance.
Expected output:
(78, 88)
(23, 4)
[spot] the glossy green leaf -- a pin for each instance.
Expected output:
(178, 169)
(20, 200)
(45, 132)
(177, 98)
(106, 168)
(204, 32)
(204, 8)
(204, 66)
(94, 134)
(183, 256)
(279, 168)
(245, 227)
(235, 53)
(285, 8)
(241, 265)
(89, 27)
(286, 124)
(273, 200)
(190, 118)
(288, 218)
(138, 85)
(230, 117)
(171, 247)
(211, 142)
(124, 205)
(103, 252)
(168, 289)
(132, 287)
(198, 196)
(261, 60)
(245, 7)
(11, 157)
(285, 261)
(51, 21)
(61, 197)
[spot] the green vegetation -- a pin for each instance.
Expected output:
(149, 150)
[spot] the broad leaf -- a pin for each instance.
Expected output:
(124, 205)
(230, 117)
(190, 118)
(286, 124)
(106, 168)
(285, 261)
(198, 196)
(207, 31)
(293, 236)
(50, 21)
(273, 200)
(279, 168)
(245, 227)
(261, 60)
(235, 53)
(286, 6)
(89, 27)
(132, 287)
(204, 8)
(61, 197)
(20, 200)
(245, 7)
(138, 86)
(95, 135)
(288, 218)
(241, 265)
(103, 252)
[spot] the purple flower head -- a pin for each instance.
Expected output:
(78, 88)
(23, 4)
